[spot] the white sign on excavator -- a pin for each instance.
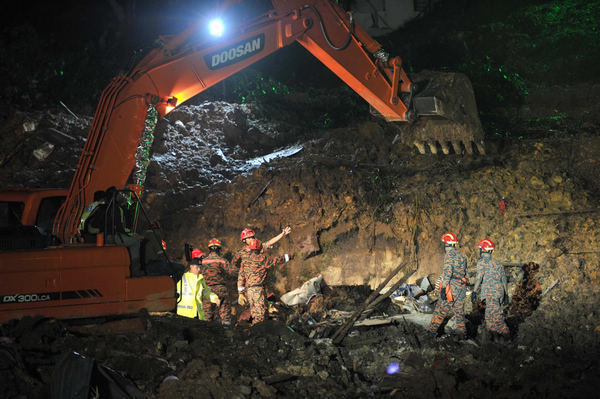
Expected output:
(235, 53)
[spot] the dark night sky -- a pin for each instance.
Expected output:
(74, 47)
(76, 20)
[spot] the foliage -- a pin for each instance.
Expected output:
(253, 86)
(506, 48)
(546, 44)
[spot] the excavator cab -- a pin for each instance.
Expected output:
(41, 276)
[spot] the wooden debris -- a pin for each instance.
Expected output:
(62, 134)
(260, 193)
(340, 334)
(389, 292)
(68, 110)
(550, 287)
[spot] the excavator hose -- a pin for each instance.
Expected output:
(324, 31)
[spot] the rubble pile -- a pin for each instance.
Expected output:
(165, 356)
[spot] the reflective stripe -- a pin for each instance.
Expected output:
(185, 307)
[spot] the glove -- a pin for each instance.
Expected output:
(242, 299)
(443, 293)
(473, 297)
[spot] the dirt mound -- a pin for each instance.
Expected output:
(164, 356)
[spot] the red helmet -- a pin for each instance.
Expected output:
(255, 244)
(449, 239)
(487, 245)
(214, 243)
(246, 233)
(196, 253)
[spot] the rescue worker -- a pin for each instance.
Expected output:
(192, 288)
(491, 287)
(247, 236)
(453, 288)
(251, 279)
(215, 270)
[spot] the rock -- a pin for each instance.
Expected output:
(245, 389)
(43, 152)
(264, 390)
(536, 182)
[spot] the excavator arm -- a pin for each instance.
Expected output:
(192, 61)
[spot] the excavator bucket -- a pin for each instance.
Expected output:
(447, 118)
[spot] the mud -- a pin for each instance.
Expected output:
(168, 356)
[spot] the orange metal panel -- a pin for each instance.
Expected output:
(31, 198)
(77, 281)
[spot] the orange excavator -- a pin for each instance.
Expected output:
(48, 269)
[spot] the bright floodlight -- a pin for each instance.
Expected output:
(216, 27)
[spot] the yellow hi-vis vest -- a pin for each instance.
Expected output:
(191, 289)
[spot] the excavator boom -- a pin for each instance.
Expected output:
(191, 62)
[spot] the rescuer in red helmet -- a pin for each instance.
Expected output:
(453, 288)
(247, 236)
(491, 287)
(216, 270)
(251, 279)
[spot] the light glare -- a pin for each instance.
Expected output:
(393, 368)
(216, 27)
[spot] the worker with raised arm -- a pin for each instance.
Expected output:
(453, 288)
(216, 270)
(491, 287)
(192, 289)
(251, 280)
(247, 236)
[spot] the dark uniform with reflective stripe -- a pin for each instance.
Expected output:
(215, 270)
(455, 273)
(251, 277)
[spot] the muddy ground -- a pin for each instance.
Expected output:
(165, 356)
